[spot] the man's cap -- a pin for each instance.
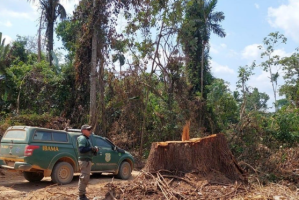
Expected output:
(86, 127)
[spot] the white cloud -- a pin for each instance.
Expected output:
(214, 49)
(34, 5)
(281, 53)
(225, 51)
(257, 6)
(15, 9)
(20, 15)
(251, 52)
(232, 53)
(216, 68)
(260, 81)
(69, 6)
(223, 45)
(7, 24)
(7, 39)
(286, 17)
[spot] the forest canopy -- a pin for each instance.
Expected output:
(165, 79)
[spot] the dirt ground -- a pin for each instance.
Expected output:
(143, 186)
(13, 186)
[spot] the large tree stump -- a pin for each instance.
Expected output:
(203, 155)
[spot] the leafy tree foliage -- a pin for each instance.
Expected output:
(291, 77)
(287, 125)
(272, 60)
(4, 48)
(51, 10)
(163, 79)
(257, 101)
(66, 31)
(222, 104)
(201, 20)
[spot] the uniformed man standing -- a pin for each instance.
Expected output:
(86, 151)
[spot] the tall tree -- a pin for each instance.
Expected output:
(272, 60)
(210, 23)
(244, 73)
(200, 20)
(51, 10)
(291, 76)
(93, 72)
(4, 48)
(203, 18)
(97, 22)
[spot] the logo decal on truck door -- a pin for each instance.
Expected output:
(107, 157)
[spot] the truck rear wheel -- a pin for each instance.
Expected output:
(33, 176)
(62, 173)
(124, 171)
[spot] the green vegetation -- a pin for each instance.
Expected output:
(165, 51)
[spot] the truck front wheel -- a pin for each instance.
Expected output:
(124, 171)
(62, 173)
(33, 176)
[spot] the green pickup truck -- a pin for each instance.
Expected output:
(40, 152)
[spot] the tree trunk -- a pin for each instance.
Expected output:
(102, 96)
(50, 30)
(39, 42)
(201, 114)
(50, 40)
(144, 117)
(273, 87)
(93, 74)
(203, 155)
(202, 67)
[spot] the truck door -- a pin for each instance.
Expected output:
(107, 158)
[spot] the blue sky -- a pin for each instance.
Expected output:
(246, 23)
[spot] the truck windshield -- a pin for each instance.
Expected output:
(15, 135)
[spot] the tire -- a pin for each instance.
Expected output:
(62, 173)
(33, 176)
(124, 171)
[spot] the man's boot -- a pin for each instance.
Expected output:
(82, 197)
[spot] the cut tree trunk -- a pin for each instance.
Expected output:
(203, 155)
(93, 111)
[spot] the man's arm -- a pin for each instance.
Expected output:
(84, 149)
(87, 149)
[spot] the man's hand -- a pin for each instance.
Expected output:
(94, 149)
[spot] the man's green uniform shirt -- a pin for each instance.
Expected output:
(83, 141)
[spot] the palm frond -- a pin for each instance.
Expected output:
(217, 17)
(3, 48)
(217, 29)
(3, 42)
(210, 6)
(61, 11)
